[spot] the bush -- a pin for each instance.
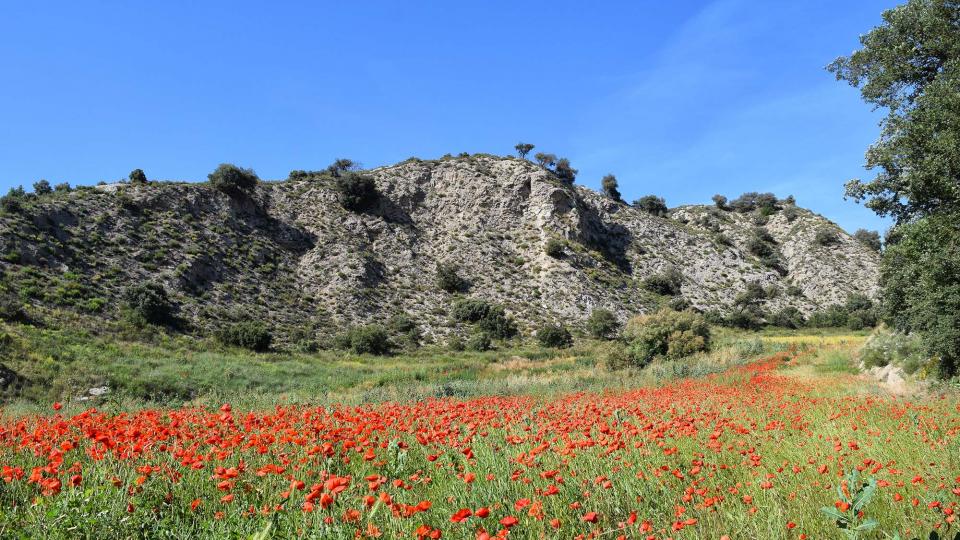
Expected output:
(554, 247)
(750, 201)
(233, 180)
(871, 239)
(679, 303)
(42, 187)
(602, 324)
(479, 341)
(470, 309)
(137, 176)
(920, 280)
(610, 187)
(720, 201)
(62, 187)
(667, 283)
(826, 236)
(369, 339)
(357, 192)
(666, 334)
(455, 343)
(488, 317)
(147, 303)
(250, 335)
(498, 324)
(788, 317)
(404, 330)
(884, 347)
(564, 171)
(448, 278)
(554, 335)
(651, 204)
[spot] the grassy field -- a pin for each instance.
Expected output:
(749, 441)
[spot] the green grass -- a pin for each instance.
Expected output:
(63, 364)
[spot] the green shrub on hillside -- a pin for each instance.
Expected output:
(666, 334)
(252, 335)
(666, 283)
(147, 303)
(137, 176)
(554, 248)
(602, 324)
(488, 317)
(357, 192)
(370, 339)
(448, 278)
(233, 180)
(554, 335)
(826, 236)
(479, 342)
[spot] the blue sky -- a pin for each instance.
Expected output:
(678, 99)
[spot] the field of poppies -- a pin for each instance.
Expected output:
(779, 447)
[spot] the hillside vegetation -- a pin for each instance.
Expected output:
(323, 252)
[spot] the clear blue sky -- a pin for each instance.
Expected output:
(679, 99)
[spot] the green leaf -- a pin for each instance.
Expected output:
(867, 525)
(864, 497)
(833, 513)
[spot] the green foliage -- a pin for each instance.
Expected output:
(479, 342)
(920, 280)
(357, 192)
(848, 513)
(554, 335)
(251, 335)
(340, 166)
(233, 180)
(147, 303)
(748, 312)
(652, 204)
(908, 66)
(720, 201)
(679, 303)
(545, 160)
(871, 239)
(666, 334)
(750, 201)
(470, 309)
(904, 350)
(403, 329)
(137, 176)
(370, 339)
(554, 247)
(12, 202)
(602, 324)
(826, 236)
(763, 246)
(564, 171)
(523, 149)
(610, 187)
(667, 283)
(857, 313)
(62, 187)
(42, 187)
(788, 317)
(488, 317)
(448, 278)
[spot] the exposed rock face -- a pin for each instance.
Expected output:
(289, 253)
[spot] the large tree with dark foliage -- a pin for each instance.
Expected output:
(909, 66)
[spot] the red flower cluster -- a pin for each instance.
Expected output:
(654, 462)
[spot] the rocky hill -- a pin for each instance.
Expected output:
(288, 253)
